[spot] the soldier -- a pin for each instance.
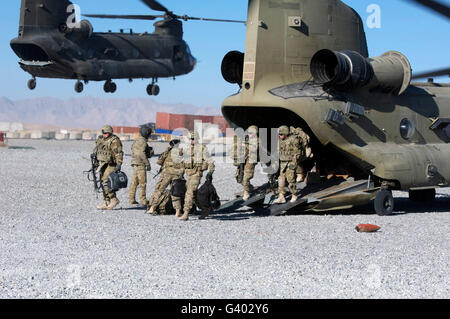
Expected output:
(196, 160)
(291, 153)
(305, 143)
(172, 168)
(246, 170)
(109, 154)
(140, 153)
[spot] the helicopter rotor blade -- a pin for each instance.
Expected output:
(155, 5)
(186, 18)
(121, 16)
(431, 74)
(435, 6)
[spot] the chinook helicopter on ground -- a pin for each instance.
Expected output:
(51, 44)
(306, 65)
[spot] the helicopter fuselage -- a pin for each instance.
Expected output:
(103, 56)
(398, 139)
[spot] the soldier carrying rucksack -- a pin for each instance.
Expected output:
(305, 143)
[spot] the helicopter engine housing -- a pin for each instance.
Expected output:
(349, 70)
(233, 67)
(82, 32)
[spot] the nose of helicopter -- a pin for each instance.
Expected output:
(192, 62)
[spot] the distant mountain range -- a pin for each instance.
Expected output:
(92, 113)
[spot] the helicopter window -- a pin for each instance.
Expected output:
(177, 54)
(407, 129)
(135, 53)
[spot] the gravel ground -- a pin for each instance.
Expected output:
(54, 244)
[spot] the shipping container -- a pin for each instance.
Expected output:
(167, 122)
(125, 130)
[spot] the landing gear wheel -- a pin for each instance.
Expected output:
(109, 87)
(79, 87)
(384, 203)
(32, 84)
(150, 89)
(112, 87)
(155, 90)
(106, 86)
(425, 195)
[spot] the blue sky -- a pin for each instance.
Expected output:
(421, 35)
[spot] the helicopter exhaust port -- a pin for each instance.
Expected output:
(233, 67)
(349, 70)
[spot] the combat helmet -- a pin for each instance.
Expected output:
(283, 130)
(146, 131)
(253, 129)
(193, 135)
(107, 129)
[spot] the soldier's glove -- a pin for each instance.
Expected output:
(149, 152)
(292, 166)
(148, 168)
(118, 168)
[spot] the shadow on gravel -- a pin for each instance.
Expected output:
(439, 205)
(241, 214)
(135, 208)
(402, 206)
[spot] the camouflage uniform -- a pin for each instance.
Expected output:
(246, 166)
(172, 169)
(140, 153)
(291, 152)
(196, 160)
(305, 143)
(110, 158)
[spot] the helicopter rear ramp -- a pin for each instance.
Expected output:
(331, 195)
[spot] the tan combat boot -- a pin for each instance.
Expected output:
(113, 203)
(294, 198)
(178, 213)
(185, 216)
(103, 206)
(246, 196)
(133, 202)
(151, 210)
(280, 199)
(205, 214)
(300, 178)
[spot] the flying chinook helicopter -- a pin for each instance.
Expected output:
(52, 45)
(306, 65)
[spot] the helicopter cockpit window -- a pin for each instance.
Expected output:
(407, 129)
(177, 54)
